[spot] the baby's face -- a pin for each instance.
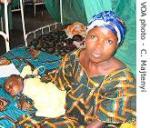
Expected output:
(14, 85)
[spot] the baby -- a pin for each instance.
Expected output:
(14, 86)
(46, 97)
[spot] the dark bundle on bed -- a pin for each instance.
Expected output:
(55, 42)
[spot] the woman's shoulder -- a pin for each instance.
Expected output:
(123, 73)
(118, 68)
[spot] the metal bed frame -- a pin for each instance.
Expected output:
(5, 31)
(34, 3)
(30, 36)
(6, 38)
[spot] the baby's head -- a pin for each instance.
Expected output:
(14, 85)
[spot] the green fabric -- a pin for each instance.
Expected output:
(15, 3)
(73, 10)
(76, 10)
(53, 9)
(93, 7)
(127, 52)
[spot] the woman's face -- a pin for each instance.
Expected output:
(101, 43)
(14, 86)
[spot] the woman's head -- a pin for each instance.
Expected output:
(110, 20)
(105, 32)
(14, 85)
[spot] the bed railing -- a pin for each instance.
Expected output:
(30, 36)
(34, 3)
(5, 31)
(6, 38)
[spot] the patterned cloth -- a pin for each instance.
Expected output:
(111, 21)
(110, 99)
(21, 57)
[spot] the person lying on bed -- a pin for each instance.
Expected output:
(100, 88)
(14, 85)
(36, 97)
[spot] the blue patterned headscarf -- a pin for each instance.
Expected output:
(111, 21)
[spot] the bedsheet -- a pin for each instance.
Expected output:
(20, 57)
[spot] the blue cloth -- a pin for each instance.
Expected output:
(111, 21)
(21, 57)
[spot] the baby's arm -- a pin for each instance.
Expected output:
(3, 104)
(25, 103)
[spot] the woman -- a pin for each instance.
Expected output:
(100, 88)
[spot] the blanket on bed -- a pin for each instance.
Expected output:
(21, 57)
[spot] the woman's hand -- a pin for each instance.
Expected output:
(3, 104)
(95, 124)
(24, 105)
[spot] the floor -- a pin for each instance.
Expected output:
(31, 22)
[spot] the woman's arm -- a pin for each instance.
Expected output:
(117, 99)
(61, 77)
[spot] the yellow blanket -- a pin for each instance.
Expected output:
(48, 99)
